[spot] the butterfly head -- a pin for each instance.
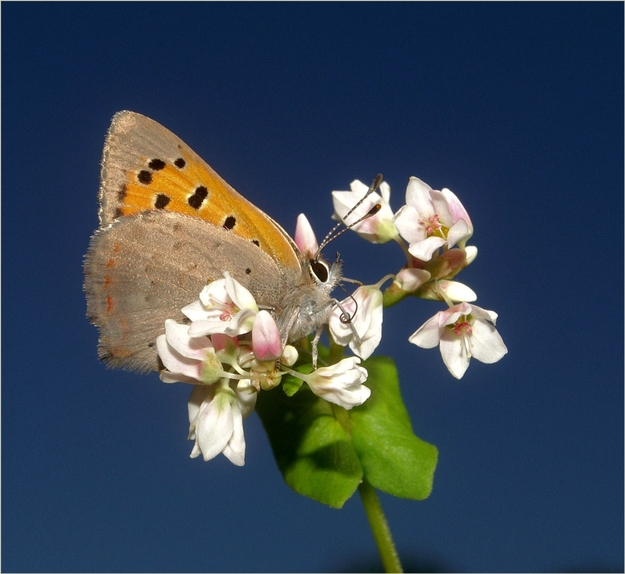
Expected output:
(323, 274)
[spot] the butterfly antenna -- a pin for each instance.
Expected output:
(332, 235)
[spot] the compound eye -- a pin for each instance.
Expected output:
(319, 270)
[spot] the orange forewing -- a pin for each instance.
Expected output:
(186, 184)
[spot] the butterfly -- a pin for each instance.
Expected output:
(169, 225)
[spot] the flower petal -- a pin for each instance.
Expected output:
(240, 296)
(305, 236)
(418, 196)
(234, 451)
(470, 254)
(457, 232)
(456, 208)
(487, 346)
(457, 291)
(428, 335)
(246, 396)
(407, 223)
(424, 249)
(198, 395)
(410, 279)
(341, 384)
(454, 353)
(179, 339)
(215, 424)
(195, 311)
(180, 368)
(266, 339)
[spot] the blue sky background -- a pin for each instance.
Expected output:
(518, 108)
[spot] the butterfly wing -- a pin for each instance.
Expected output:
(168, 226)
(147, 167)
(143, 269)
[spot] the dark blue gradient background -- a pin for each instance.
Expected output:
(518, 108)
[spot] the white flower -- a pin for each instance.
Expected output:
(305, 237)
(470, 254)
(364, 330)
(449, 291)
(228, 372)
(378, 228)
(341, 384)
(289, 356)
(457, 291)
(463, 331)
(216, 414)
(411, 278)
(225, 306)
(431, 219)
(187, 359)
(266, 340)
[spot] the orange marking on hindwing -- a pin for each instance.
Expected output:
(111, 261)
(120, 351)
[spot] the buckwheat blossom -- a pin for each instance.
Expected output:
(341, 384)
(428, 222)
(410, 279)
(379, 228)
(227, 373)
(224, 306)
(363, 331)
(305, 238)
(266, 340)
(456, 291)
(216, 414)
(187, 359)
(462, 331)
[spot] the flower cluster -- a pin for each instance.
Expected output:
(231, 350)
(432, 228)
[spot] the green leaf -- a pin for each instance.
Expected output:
(394, 459)
(291, 384)
(312, 449)
(323, 451)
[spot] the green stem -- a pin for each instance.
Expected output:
(379, 528)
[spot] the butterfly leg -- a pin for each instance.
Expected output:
(315, 347)
(286, 331)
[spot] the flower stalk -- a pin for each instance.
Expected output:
(379, 528)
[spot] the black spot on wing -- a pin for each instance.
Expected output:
(121, 193)
(144, 177)
(198, 197)
(156, 164)
(162, 201)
